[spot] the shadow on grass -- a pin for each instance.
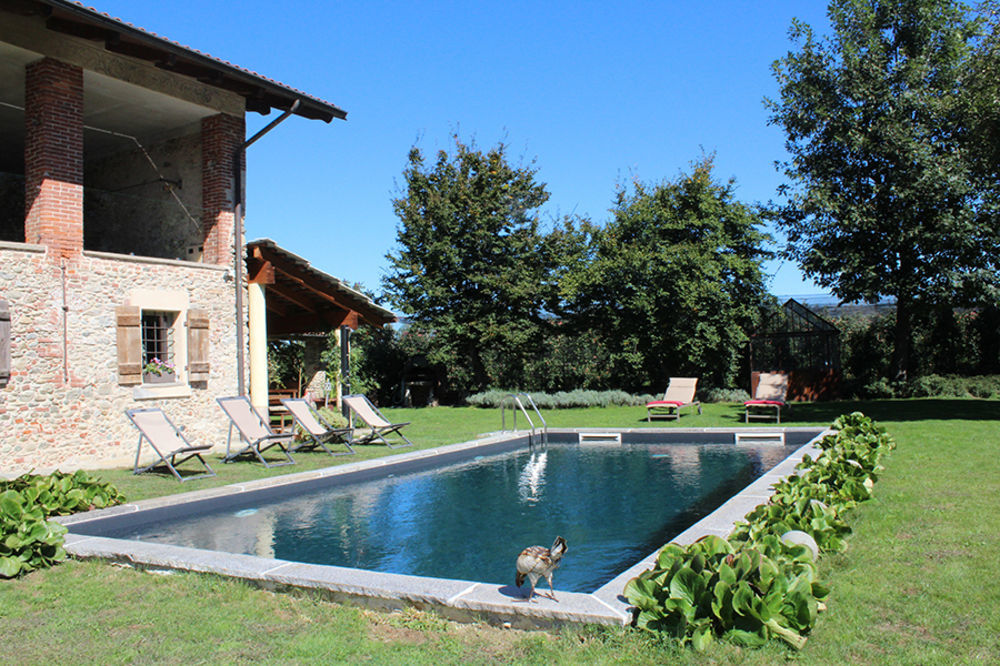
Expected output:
(920, 409)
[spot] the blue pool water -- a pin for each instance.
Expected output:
(614, 504)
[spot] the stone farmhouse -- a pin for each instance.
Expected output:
(121, 238)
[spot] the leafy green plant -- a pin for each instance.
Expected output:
(757, 584)
(330, 415)
(60, 493)
(28, 541)
(745, 594)
(816, 500)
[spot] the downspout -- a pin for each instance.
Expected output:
(238, 240)
(65, 323)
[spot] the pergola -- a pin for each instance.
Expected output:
(289, 299)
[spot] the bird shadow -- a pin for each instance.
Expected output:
(512, 591)
(519, 594)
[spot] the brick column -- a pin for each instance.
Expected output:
(221, 135)
(53, 156)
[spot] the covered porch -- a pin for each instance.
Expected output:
(289, 299)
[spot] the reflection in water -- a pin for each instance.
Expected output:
(533, 477)
(613, 504)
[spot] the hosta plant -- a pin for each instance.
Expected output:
(60, 494)
(743, 593)
(757, 584)
(28, 541)
(817, 499)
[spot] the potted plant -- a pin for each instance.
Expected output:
(158, 371)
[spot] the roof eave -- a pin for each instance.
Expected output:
(261, 94)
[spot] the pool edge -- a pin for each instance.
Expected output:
(453, 599)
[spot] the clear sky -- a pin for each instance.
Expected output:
(595, 93)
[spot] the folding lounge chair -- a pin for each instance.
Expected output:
(772, 387)
(380, 426)
(167, 442)
(254, 431)
(318, 431)
(679, 393)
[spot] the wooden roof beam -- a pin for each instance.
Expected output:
(319, 292)
(297, 325)
(294, 299)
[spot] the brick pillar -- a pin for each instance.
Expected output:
(221, 135)
(53, 156)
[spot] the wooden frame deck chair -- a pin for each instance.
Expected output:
(769, 398)
(168, 443)
(379, 426)
(317, 430)
(254, 431)
(680, 393)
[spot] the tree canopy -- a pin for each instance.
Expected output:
(469, 267)
(884, 197)
(674, 281)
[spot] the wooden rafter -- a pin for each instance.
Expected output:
(294, 299)
(305, 285)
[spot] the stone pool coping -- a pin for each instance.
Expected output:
(455, 599)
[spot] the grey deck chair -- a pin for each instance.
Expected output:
(167, 441)
(378, 425)
(254, 431)
(318, 431)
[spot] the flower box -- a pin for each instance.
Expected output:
(164, 378)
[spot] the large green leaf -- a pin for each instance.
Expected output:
(9, 567)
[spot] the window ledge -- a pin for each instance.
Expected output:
(155, 392)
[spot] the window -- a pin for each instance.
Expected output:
(161, 324)
(157, 337)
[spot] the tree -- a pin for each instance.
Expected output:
(469, 268)
(674, 281)
(883, 199)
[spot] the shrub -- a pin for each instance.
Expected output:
(27, 540)
(563, 399)
(328, 414)
(725, 395)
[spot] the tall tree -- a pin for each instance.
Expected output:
(883, 199)
(469, 268)
(674, 281)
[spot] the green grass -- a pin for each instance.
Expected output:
(915, 586)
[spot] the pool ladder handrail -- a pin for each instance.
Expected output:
(515, 401)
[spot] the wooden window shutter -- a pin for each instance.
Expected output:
(4, 343)
(129, 344)
(197, 325)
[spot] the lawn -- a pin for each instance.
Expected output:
(915, 586)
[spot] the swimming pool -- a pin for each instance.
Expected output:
(282, 531)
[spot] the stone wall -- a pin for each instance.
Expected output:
(64, 407)
(123, 186)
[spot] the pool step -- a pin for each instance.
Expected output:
(759, 438)
(600, 438)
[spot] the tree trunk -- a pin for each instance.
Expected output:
(989, 331)
(903, 338)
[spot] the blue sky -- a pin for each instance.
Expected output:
(596, 93)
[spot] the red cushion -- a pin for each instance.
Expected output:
(665, 403)
(776, 403)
